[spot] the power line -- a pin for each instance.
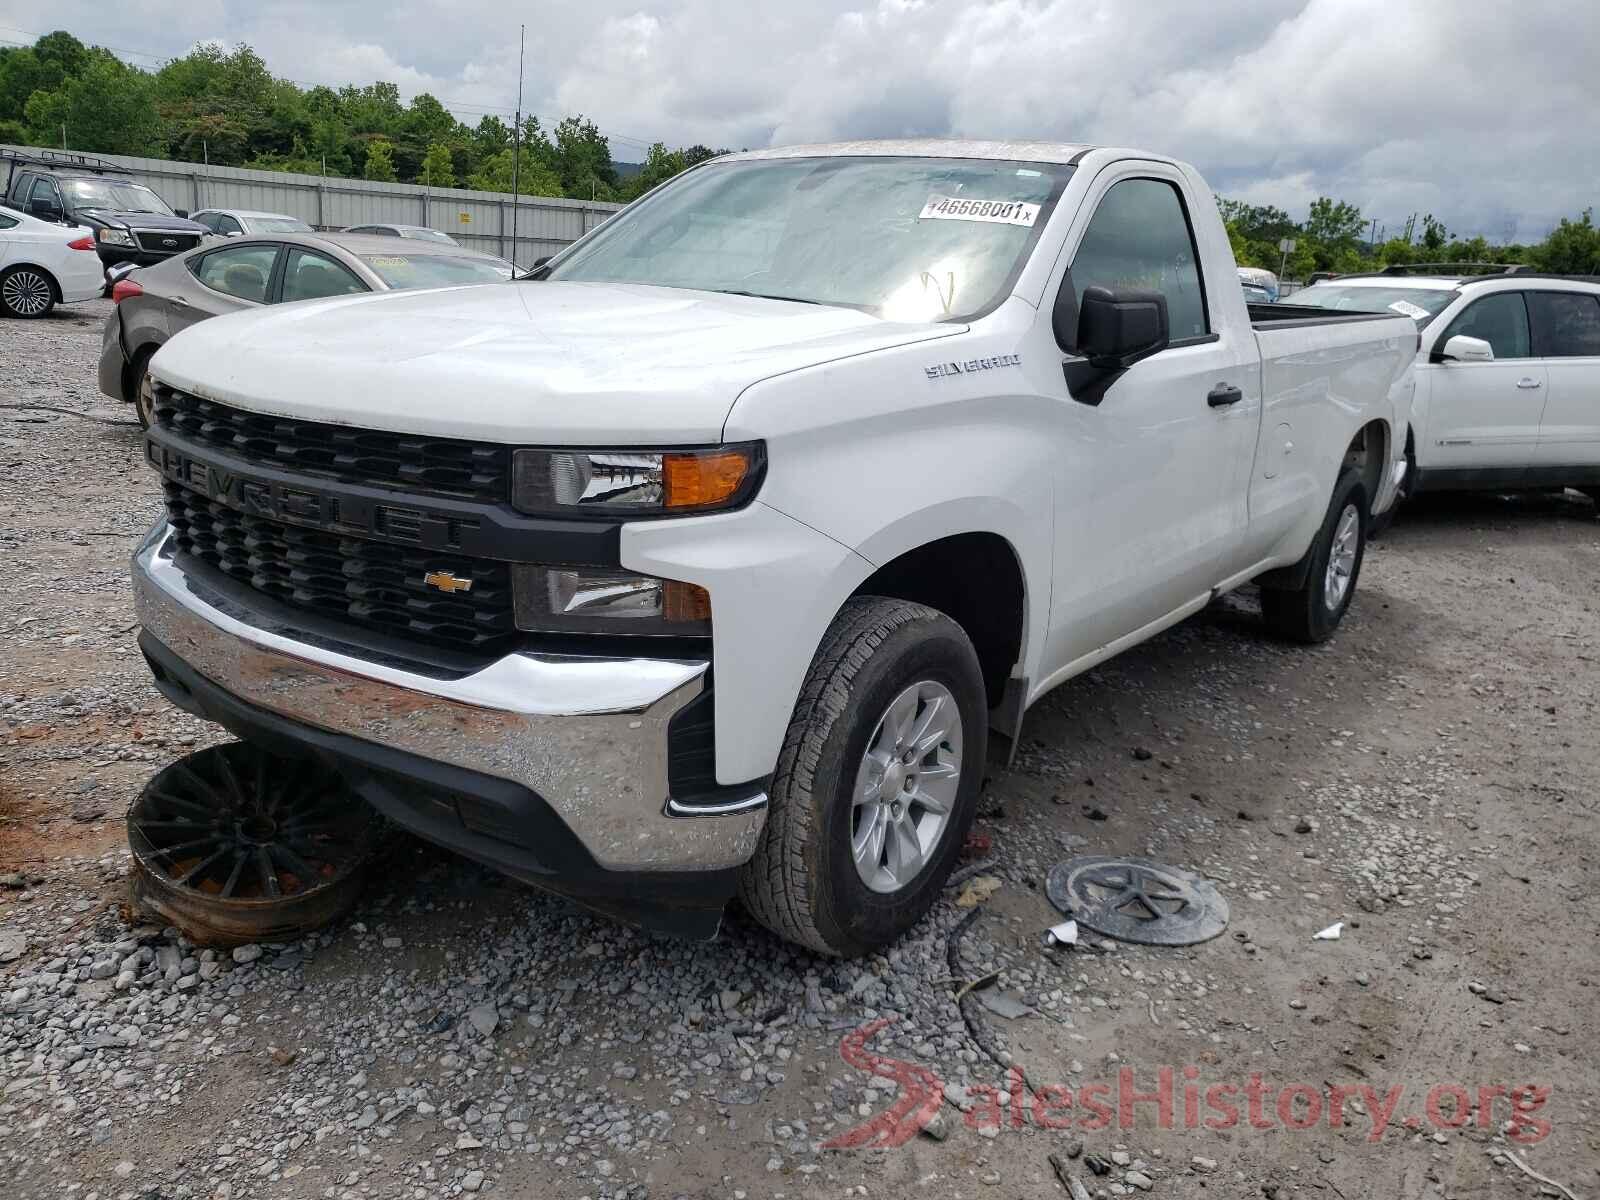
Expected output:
(474, 107)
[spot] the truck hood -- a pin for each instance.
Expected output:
(143, 220)
(562, 363)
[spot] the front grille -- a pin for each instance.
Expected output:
(370, 584)
(155, 241)
(422, 466)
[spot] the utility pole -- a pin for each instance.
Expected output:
(516, 152)
(63, 135)
(205, 151)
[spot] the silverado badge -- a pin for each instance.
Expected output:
(446, 582)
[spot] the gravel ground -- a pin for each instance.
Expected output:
(1427, 779)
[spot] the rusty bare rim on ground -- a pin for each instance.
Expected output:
(234, 845)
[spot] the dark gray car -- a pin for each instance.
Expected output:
(156, 303)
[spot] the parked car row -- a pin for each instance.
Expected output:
(126, 225)
(155, 304)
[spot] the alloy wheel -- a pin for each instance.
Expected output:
(906, 786)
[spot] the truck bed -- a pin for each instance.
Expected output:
(1279, 316)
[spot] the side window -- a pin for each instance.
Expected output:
(1566, 324)
(19, 189)
(1139, 237)
(308, 276)
(208, 219)
(226, 224)
(243, 272)
(8, 222)
(44, 191)
(1501, 320)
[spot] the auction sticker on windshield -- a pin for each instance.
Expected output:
(998, 212)
(1415, 311)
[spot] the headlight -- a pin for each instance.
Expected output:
(115, 237)
(635, 483)
(607, 600)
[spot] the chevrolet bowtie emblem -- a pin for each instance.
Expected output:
(446, 582)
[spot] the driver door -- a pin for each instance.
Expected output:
(1162, 464)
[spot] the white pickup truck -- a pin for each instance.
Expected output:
(703, 563)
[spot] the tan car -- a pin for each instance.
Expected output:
(156, 303)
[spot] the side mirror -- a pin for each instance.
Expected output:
(539, 262)
(1462, 348)
(1118, 328)
(46, 210)
(181, 212)
(1107, 330)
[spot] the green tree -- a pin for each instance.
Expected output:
(437, 168)
(582, 159)
(660, 165)
(1573, 247)
(380, 162)
(109, 107)
(536, 179)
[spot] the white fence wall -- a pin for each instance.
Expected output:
(479, 220)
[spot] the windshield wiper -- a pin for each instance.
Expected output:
(767, 296)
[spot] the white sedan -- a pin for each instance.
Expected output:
(43, 264)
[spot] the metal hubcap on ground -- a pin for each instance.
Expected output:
(26, 292)
(906, 786)
(1342, 557)
(1136, 900)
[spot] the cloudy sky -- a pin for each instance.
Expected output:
(1483, 112)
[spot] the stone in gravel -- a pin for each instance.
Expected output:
(12, 944)
(1141, 754)
(246, 954)
(123, 1169)
(472, 1182)
(1203, 1165)
(1121, 1157)
(466, 1141)
(88, 810)
(939, 1126)
(1302, 826)
(1139, 1180)
(1097, 1164)
(484, 1018)
(105, 969)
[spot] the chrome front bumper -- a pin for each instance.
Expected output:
(586, 734)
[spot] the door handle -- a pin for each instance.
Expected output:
(1530, 383)
(1223, 395)
(177, 301)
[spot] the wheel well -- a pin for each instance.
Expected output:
(976, 581)
(1369, 453)
(130, 367)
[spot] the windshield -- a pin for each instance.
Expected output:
(433, 270)
(117, 195)
(909, 239)
(1420, 304)
(280, 225)
(420, 234)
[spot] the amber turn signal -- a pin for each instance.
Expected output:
(703, 480)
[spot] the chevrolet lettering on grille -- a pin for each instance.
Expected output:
(301, 505)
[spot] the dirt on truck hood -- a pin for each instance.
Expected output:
(519, 362)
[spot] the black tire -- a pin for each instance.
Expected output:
(139, 378)
(1594, 494)
(1305, 613)
(27, 292)
(803, 882)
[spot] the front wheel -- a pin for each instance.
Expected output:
(1311, 612)
(877, 781)
(26, 292)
